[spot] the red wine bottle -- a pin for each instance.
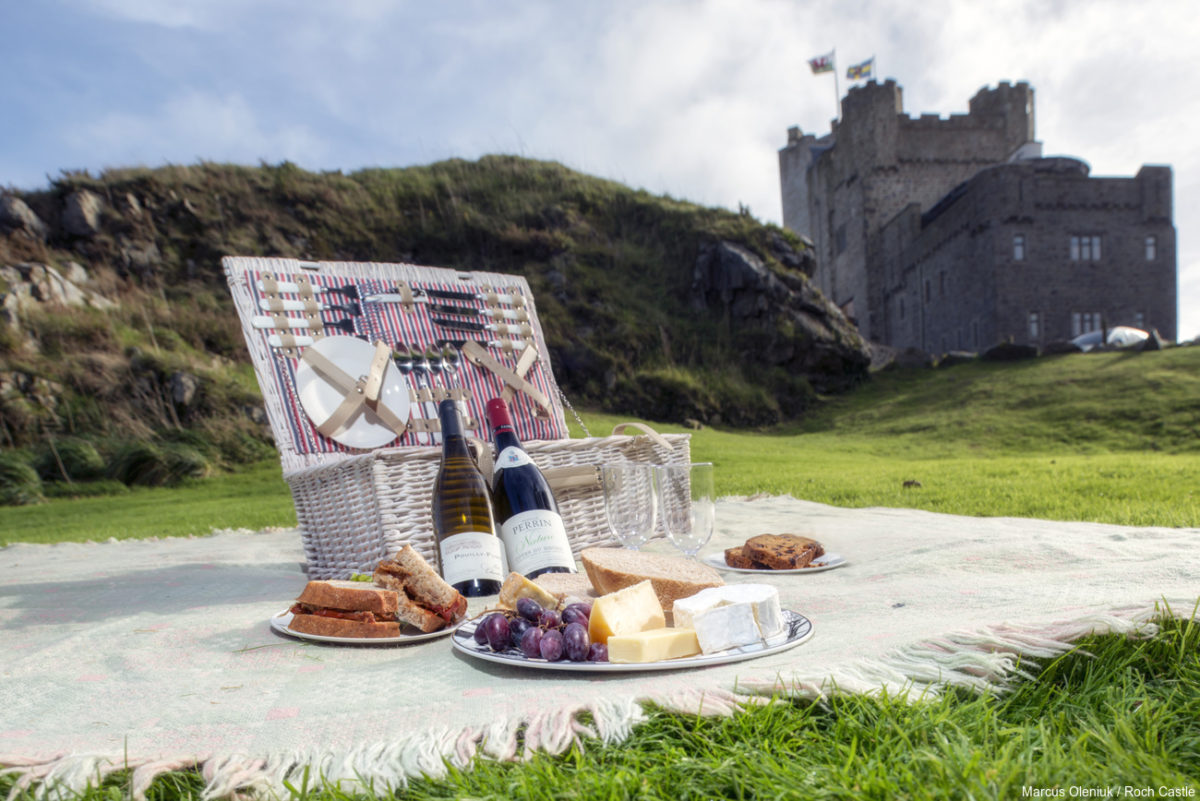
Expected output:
(534, 536)
(470, 554)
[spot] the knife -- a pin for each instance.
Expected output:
(275, 304)
(263, 321)
(519, 330)
(395, 297)
(470, 311)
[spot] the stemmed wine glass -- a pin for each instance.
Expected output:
(630, 502)
(687, 504)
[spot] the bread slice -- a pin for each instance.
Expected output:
(426, 600)
(336, 627)
(783, 551)
(673, 577)
(568, 588)
(350, 596)
(736, 557)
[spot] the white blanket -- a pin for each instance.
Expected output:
(158, 655)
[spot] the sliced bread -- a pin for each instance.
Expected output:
(568, 588)
(673, 577)
(782, 551)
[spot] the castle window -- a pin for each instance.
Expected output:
(1151, 248)
(975, 333)
(901, 308)
(840, 239)
(1083, 322)
(1034, 327)
(1018, 247)
(1085, 248)
(942, 284)
(1139, 319)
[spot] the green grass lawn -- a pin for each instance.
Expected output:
(1111, 437)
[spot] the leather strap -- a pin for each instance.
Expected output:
(477, 354)
(354, 392)
(657, 438)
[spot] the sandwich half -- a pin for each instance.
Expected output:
(345, 609)
(425, 599)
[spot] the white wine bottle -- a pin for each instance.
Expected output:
(534, 536)
(470, 554)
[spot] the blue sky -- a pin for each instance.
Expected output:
(690, 98)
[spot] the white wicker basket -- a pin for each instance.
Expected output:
(362, 509)
(355, 508)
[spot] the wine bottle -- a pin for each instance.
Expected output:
(470, 554)
(531, 528)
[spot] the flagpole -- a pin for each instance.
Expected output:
(837, 93)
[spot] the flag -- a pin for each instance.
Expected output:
(821, 64)
(862, 71)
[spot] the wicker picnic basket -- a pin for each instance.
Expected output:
(355, 507)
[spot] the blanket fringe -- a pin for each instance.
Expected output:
(986, 661)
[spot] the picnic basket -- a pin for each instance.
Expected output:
(357, 506)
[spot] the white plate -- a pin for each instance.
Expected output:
(827, 562)
(280, 622)
(320, 398)
(796, 629)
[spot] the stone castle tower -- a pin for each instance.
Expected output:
(869, 195)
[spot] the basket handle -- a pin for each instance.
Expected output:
(643, 429)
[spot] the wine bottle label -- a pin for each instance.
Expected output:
(472, 555)
(536, 539)
(512, 457)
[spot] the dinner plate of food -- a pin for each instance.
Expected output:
(766, 554)
(796, 629)
(403, 601)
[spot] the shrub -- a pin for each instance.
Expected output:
(85, 489)
(79, 460)
(19, 482)
(150, 464)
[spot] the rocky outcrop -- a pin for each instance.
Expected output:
(28, 283)
(781, 316)
(81, 213)
(15, 214)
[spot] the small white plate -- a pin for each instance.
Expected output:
(280, 621)
(796, 629)
(827, 562)
(320, 398)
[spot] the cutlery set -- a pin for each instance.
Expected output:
(470, 324)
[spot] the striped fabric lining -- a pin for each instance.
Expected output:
(393, 324)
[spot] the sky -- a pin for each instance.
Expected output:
(689, 98)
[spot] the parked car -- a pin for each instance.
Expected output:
(1119, 336)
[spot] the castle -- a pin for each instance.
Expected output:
(956, 234)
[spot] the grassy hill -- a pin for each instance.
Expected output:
(613, 271)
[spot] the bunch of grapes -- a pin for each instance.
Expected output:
(541, 633)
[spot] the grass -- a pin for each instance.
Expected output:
(1102, 438)
(1114, 713)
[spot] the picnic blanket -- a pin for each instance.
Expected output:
(158, 655)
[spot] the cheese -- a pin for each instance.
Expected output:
(516, 587)
(626, 611)
(726, 626)
(763, 598)
(652, 646)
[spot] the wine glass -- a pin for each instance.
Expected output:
(630, 502)
(688, 504)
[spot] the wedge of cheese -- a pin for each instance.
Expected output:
(763, 598)
(516, 587)
(626, 611)
(652, 646)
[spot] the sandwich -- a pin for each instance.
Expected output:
(424, 599)
(345, 609)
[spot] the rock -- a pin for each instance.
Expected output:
(15, 214)
(885, 357)
(50, 287)
(781, 320)
(1010, 352)
(81, 213)
(955, 357)
(142, 258)
(75, 273)
(183, 387)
